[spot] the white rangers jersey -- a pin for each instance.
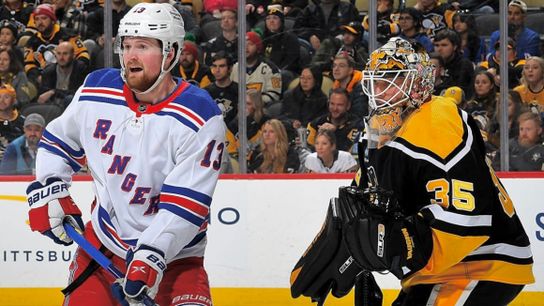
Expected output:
(154, 167)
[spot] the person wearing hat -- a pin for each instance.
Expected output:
(8, 36)
(39, 48)
(189, 67)
(11, 121)
(261, 74)
(280, 46)
(515, 65)
(527, 40)
(20, 154)
(350, 43)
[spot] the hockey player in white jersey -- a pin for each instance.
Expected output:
(153, 145)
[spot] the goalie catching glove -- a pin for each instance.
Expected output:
(379, 237)
(50, 204)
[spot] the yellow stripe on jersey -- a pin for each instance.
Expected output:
(448, 249)
(489, 270)
(450, 293)
(441, 142)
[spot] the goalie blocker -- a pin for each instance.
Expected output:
(363, 231)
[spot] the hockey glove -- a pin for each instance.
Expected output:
(379, 238)
(50, 205)
(145, 268)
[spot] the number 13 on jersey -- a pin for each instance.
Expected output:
(211, 148)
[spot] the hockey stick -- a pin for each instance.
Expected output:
(101, 259)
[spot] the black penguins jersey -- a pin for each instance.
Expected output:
(437, 168)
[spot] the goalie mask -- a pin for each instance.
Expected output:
(159, 21)
(396, 80)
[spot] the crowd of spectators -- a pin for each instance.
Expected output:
(304, 105)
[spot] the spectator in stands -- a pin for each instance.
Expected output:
(320, 20)
(485, 95)
(438, 63)
(20, 154)
(472, 46)
(526, 151)
(280, 47)
(436, 16)
(62, 79)
(17, 10)
(71, 17)
(11, 72)
(95, 31)
(223, 90)
(228, 40)
(256, 11)
(293, 8)
(8, 38)
(387, 24)
(346, 76)
(255, 119)
(212, 9)
(189, 67)
(350, 44)
(11, 121)
(515, 108)
(306, 101)
(527, 40)
(339, 119)
(326, 158)
(40, 46)
(410, 28)
(515, 66)
(458, 71)
(275, 154)
(261, 74)
(531, 89)
(475, 6)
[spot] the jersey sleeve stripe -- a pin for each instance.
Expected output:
(103, 91)
(50, 138)
(187, 113)
(57, 151)
(108, 229)
(183, 213)
(504, 249)
(104, 99)
(195, 207)
(195, 195)
(458, 219)
(181, 119)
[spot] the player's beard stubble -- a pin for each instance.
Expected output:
(139, 80)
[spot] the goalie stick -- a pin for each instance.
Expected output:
(101, 259)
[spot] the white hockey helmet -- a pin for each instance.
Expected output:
(160, 21)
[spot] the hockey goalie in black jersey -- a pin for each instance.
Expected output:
(456, 238)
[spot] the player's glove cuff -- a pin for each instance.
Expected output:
(145, 269)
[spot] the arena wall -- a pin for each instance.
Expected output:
(260, 226)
